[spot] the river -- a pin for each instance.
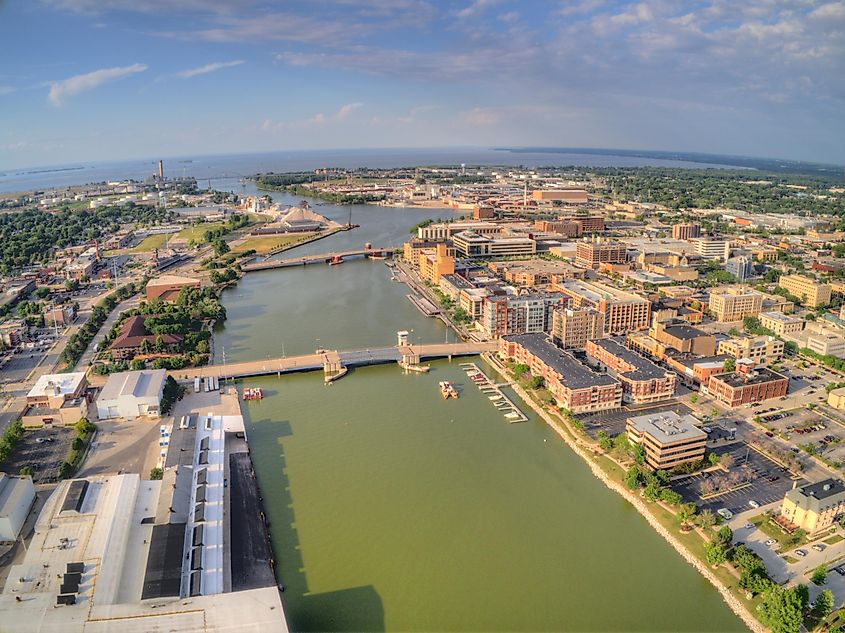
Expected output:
(392, 509)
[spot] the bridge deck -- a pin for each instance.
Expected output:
(312, 259)
(312, 362)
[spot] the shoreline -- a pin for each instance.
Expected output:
(639, 505)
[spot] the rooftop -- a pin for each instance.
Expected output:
(145, 383)
(573, 373)
(644, 369)
(134, 332)
(595, 292)
(685, 332)
(757, 376)
(57, 384)
(172, 280)
(667, 426)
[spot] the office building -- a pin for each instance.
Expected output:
(134, 336)
(780, 323)
(570, 196)
(473, 244)
(572, 328)
(686, 231)
(680, 336)
(524, 314)
(642, 381)
(827, 343)
(590, 254)
(709, 248)
(812, 293)
(763, 350)
(441, 231)
(573, 384)
(436, 263)
(56, 399)
(623, 311)
(741, 267)
(667, 439)
(472, 301)
(734, 304)
(813, 507)
(747, 385)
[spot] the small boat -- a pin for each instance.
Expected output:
(513, 415)
(447, 390)
(496, 397)
(253, 393)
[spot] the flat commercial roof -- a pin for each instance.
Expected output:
(755, 377)
(667, 426)
(574, 374)
(685, 332)
(56, 384)
(644, 369)
(596, 292)
(145, 383)
(163, 576)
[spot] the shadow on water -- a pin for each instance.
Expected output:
(350, 609)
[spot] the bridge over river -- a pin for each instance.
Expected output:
(334, 362)
(322, 258)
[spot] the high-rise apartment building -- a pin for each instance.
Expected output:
(573, 328)
(686, 231)
(591, 254)
(734, 304)
(623, 311)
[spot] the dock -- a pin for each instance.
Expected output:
(424, 305)
(494, 393)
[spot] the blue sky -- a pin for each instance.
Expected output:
(85, 80)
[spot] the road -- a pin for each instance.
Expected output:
(88, 356)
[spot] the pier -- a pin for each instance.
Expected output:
(334, 362)
(322, 258)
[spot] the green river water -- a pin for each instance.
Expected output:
(392, 509)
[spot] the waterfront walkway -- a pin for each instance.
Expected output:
(321, 258)
(331, 361)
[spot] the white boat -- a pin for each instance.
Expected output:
(513, 415)
(496, 397)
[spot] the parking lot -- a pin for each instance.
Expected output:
(805, 427)
(43, 450)
(613, 422)
(768, 481)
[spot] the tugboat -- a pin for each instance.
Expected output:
(447, 390)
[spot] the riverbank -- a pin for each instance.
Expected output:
(636, 501)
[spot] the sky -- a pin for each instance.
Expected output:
(89, 80)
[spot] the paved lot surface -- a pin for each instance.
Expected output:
(42, 449)
(613, 422)
(124, 447)
(761, 490)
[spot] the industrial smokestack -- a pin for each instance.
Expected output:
(161, 169)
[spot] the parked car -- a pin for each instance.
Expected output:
(801, 552)
(753, 504)
(726, 514)
(818, 547)
(770, 542)
(749, 526)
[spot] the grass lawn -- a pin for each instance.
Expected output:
(771, 530)
(267, 243)
(150, 243)
(790, 559)
(833, 540)
(196, 232)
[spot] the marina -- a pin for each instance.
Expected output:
(494, 393)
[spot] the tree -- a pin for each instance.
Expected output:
(156, 473)
(729, 365)
(633, 477)
(605, 442)
(536, 382)
(694, 398)
(652, 491)
(220, 247)
(819, 576)
(824, 604)
(724, 535)
(706, 519)
(686, 513)
(65, 470)
(782, 609)
(670, 496)
(715, 554)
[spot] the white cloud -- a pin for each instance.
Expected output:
(476, 8)
(5, 90)
(208, 68)
(60, 90)
(340, 115)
